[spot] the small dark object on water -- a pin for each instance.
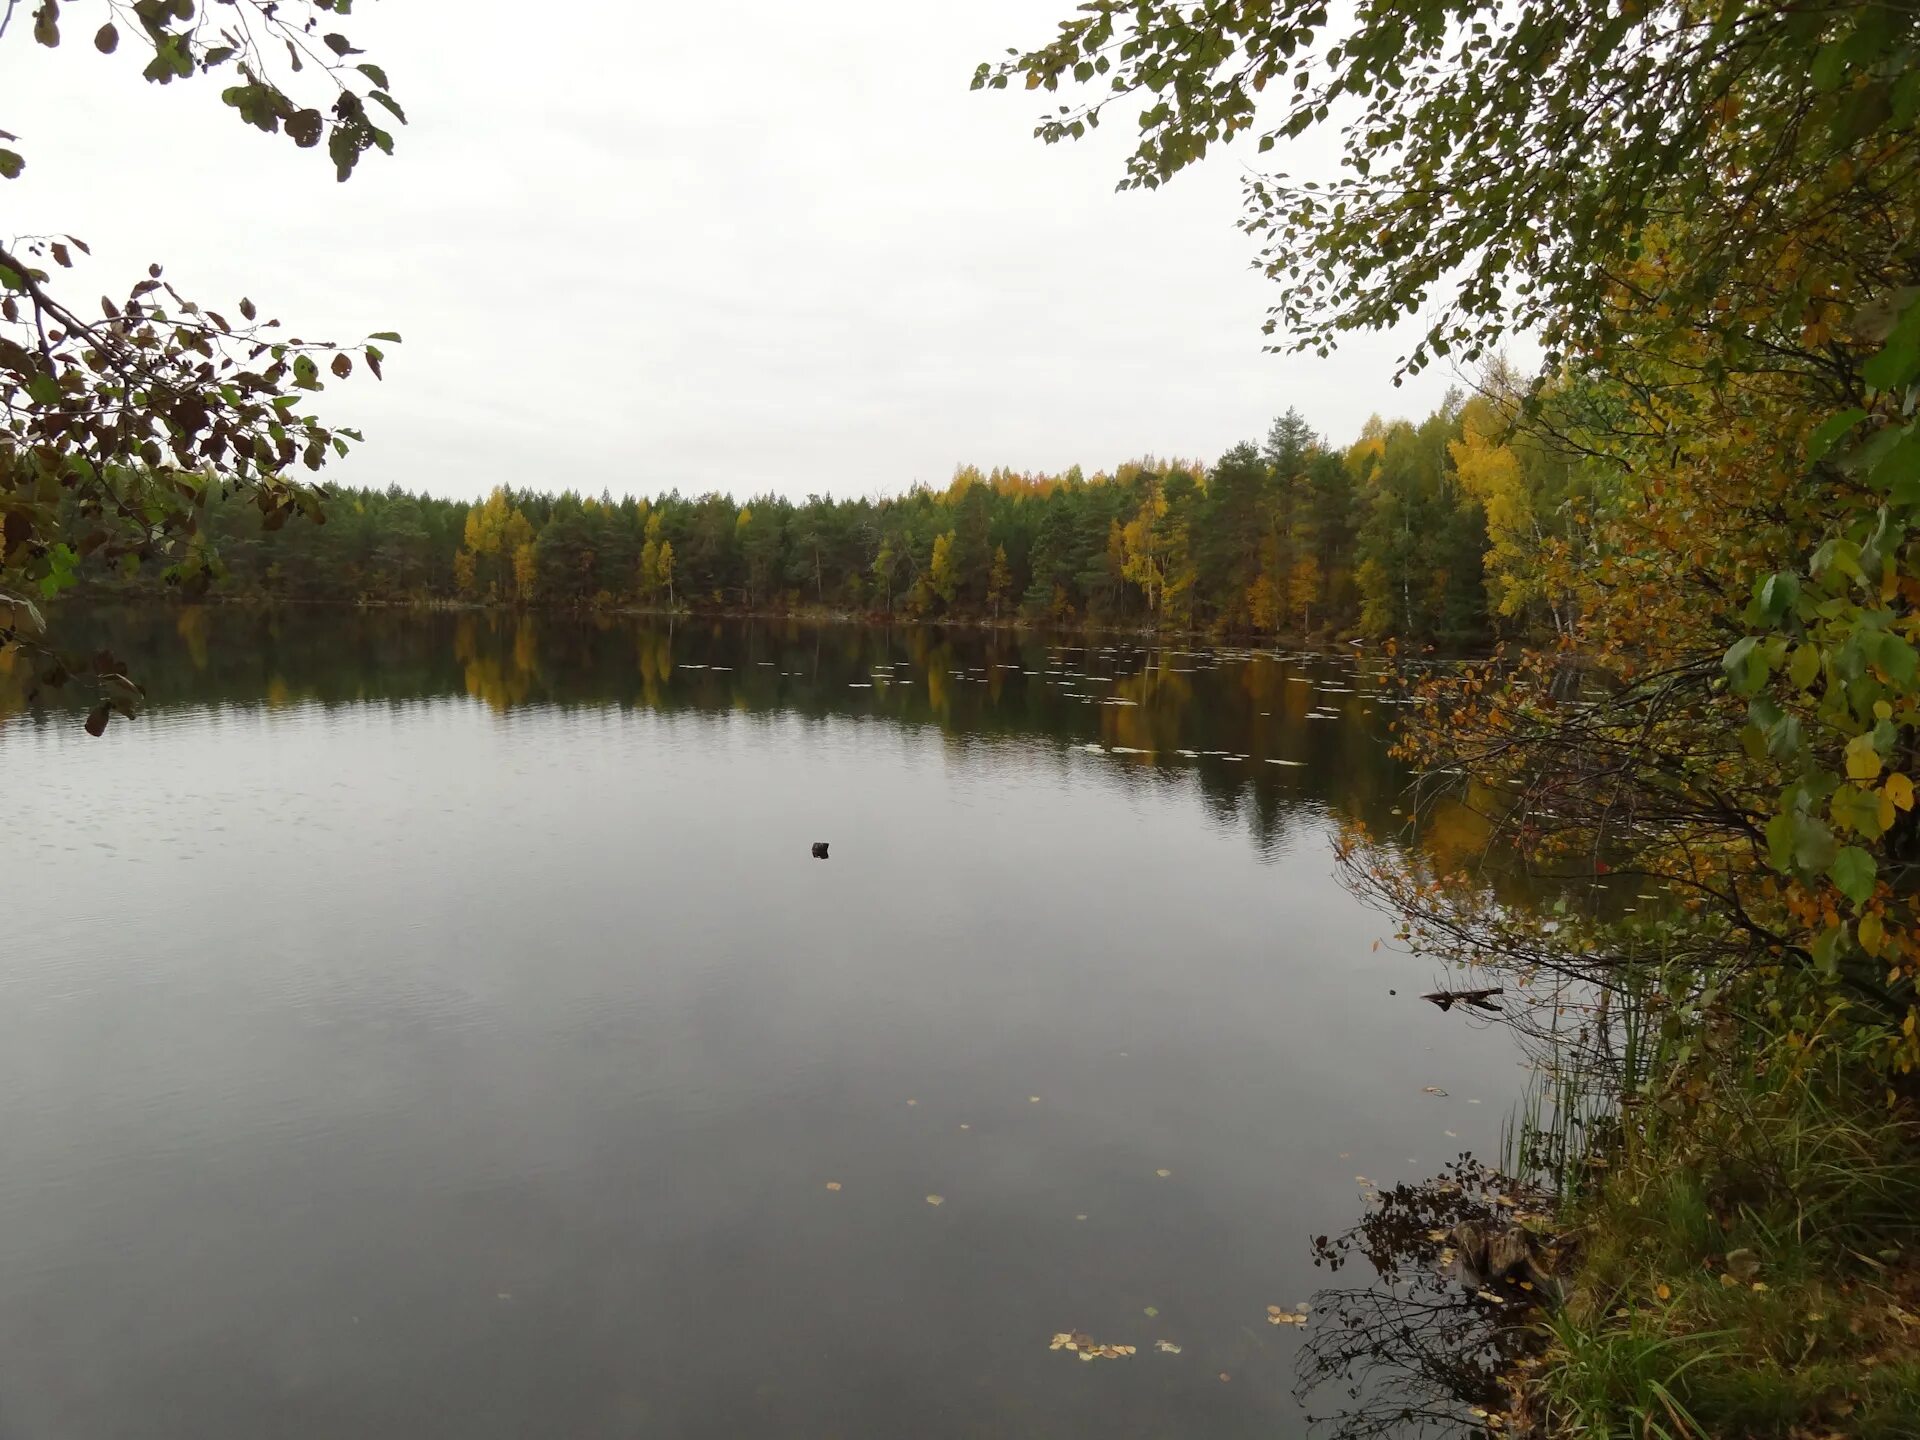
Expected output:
(819, 849)
(1479, 999)
(1393, 992)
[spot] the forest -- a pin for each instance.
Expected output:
(1415, 530)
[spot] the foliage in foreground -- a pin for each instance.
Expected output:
(118, 429)
(1712, 215)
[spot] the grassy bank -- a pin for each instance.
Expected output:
(1745, 1257)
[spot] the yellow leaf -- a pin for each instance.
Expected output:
(936, 1199)
(1871, 932)
(1163, 1174)
(1663, 1290)
(1899, 789)
(833, 1184)
(1863, 761)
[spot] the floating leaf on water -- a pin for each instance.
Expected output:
(1473, 1102)
(1150, 1311)
(1079, 1217)
(1033, 1099)
(1436, 1235)
(1453, 1134)
(965, 1126)
(1166, 1347)
(1273, 1309)
(936, 1199)
(1431, 1090)
(913, 1102)
(1490, 1297)
(1225, 1376)
(1163, 1174)
(833, 1184)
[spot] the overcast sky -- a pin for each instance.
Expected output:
(743, 245)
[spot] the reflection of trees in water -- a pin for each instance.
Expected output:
(1419, 1350)
(969, 684)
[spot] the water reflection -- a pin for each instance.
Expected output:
(433, 1024)
(1427, 1340)
(1266, 735)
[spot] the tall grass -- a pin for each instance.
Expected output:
(1743, 1202)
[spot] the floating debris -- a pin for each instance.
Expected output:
(936, 1199)
(1163, 1174)
(1087, 1348)
(833, 1184)
(1166, 1347)
(1295, 1316)
(1478, 999)
(1431, 1090)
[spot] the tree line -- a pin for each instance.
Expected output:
(1412, 530)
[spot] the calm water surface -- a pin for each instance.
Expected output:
(422, 1026)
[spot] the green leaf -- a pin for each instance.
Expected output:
(1778, 594)
(1812, 843)
(1829, 66)
(1896, 363)
(1856, 811)
(1804, 665)
(1830, 430)
(1899, 659)
(106, 39)
(11, 164)
(1745, 665)
(1853, 873)
(389, 336)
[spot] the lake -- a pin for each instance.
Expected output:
(435, 1025)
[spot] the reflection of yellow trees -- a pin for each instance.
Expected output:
(192, 625)
(15, 675)
(654, 653)
(1265, 685)
(501, 678)
(939, 659)
(1153, 722)
(1454, 832)
(279, 695)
